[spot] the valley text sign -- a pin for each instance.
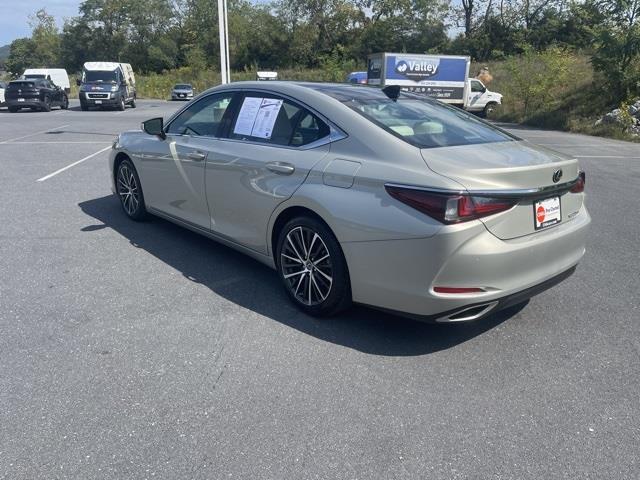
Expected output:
(440, 76)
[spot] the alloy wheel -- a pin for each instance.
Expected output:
(306, 266)
(128, 189)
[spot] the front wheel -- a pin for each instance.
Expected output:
(133, 103)
(130, 191)
(122, 105)
(65, 103)
(312, 267)
(488, 110)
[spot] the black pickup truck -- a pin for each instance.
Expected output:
(36, 94)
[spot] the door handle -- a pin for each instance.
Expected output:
(197, 156)
(281, 167)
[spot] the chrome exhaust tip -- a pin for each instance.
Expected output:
(469, 313)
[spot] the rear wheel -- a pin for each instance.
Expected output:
(312, 267)
(130, 191)
(46, 105)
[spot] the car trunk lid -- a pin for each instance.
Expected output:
(21, 90)
(513, 168)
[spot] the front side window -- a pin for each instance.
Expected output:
(276, 121)
(476, 86)
(203, 118)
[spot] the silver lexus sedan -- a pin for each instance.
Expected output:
(359, 194)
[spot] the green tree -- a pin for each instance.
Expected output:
(617, 46)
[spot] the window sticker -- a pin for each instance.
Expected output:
(247, 116)
(257, 117)
(266, 118)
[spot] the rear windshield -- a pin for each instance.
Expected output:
(420, 121)
(182, 86)
(21, 84)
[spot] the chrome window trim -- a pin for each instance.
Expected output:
(334, 136)
(514, 193)
(335, 132)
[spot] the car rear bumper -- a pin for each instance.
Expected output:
(28, 103)
(400, 275)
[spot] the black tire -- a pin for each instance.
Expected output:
(13, 109)
(489, 108)
(65, 103)
(46, 104)
(133, 103)
(122, 105)
(83, 106)
(322, 287)
(129, 191)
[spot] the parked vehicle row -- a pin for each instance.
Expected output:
(360, 194)
(102, 84)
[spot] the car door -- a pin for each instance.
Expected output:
(173, 168)
(476, 93)
(269, 149)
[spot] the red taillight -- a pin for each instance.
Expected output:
(579, 186)
(450, 208)
(457, 290)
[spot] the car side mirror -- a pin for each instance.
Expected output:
(484, 89)
(154, 126)
(78, 82)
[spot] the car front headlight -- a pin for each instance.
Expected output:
(114, 88)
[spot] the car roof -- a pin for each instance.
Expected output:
(300, 87)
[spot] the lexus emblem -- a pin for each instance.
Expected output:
(557, 175)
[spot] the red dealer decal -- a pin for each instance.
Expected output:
(540, 213)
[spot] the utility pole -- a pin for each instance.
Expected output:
(225, 73)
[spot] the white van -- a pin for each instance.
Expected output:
(107, 84)
(58, 76)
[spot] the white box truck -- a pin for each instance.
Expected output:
(445, 77)
(107, 84)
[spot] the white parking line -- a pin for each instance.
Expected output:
(54, 143)
(46, 177)
(605, 156)
(33, 134)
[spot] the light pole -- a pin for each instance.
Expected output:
(225, 74)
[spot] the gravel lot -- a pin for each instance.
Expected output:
(133, 351)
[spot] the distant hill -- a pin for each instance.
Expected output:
(4, 52)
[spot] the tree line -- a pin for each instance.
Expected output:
(158, 35)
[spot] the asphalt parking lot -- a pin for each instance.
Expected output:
(133, 351)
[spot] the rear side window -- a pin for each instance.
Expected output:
(276, 121)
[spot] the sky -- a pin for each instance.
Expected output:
(14, 21)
